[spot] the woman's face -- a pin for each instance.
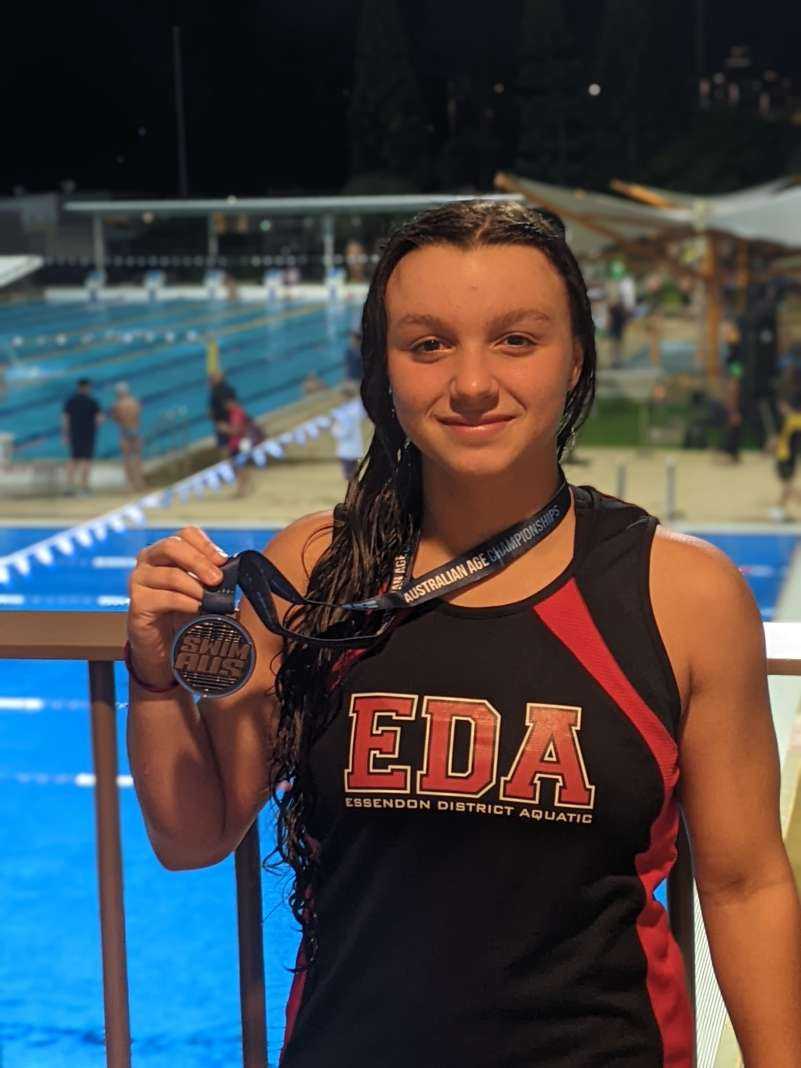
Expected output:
(480, 354)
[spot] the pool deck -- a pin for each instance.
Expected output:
(709, 489)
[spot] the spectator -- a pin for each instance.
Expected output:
(231, 288)
(220, 392)
(243, 433)
(788, 442)
(127, 413)
(618, 318)
(312, 384)
(356, 261)
(347, 431)
(732, 399)
(79, 422)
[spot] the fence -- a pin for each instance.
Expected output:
(98, 639)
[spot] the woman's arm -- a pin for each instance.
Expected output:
(729, 789)
(202, 772)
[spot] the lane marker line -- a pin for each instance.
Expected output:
(86, 779)
(21, 704)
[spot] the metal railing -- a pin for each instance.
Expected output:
(98, 638)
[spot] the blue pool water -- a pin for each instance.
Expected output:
(160, 351)
(181, 926)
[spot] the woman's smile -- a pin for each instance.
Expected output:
(477, 430)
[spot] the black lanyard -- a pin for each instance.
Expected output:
(486, 559)
(252, 571)
(214, 654)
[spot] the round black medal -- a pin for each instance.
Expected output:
(213, 655)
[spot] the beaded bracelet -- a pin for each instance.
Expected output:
(141, 682)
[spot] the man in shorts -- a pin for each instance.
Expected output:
(220, 392)
(126, 413)
(79, 422)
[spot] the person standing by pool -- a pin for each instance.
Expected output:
(80, 419)
(243, 433)
(788, 441)
(127, 413)
(346, 429)
(481, 807)
(727, 408)
(220, 392)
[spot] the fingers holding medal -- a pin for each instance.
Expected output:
(165, 588)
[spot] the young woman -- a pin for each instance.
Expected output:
(483, 803)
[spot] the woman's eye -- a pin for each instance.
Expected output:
(517, 341)
(428, 346)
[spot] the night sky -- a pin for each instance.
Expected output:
(87, 87)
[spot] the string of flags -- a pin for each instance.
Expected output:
(210, 479)
(126, 337)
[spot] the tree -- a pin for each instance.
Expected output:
(389, 130)
(552, 96)
(621, 55)
(468, 158)
(644, 68)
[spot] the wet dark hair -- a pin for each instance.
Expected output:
(84, 382)
(382, 511)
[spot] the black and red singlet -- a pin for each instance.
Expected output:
(495, 808)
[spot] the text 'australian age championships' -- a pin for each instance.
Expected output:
(491, 555)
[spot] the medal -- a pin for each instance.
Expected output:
(213, 655)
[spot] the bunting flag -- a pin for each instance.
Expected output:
(134, 513)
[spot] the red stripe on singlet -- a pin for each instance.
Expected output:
(567, 616)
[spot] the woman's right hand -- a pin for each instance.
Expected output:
(165, 589)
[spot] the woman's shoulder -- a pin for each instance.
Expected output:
(700, 599)
(702, 581)
(703, 607)
(696, 565)
(297, 548)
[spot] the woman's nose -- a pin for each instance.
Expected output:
(473, 381)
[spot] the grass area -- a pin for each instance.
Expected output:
(620, 421)
(624, 422)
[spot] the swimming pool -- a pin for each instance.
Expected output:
(181, 926)
(160, 350)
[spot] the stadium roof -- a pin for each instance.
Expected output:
(384, 205)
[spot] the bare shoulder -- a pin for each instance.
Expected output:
(703, 607)
(699, 574)
(298, 547)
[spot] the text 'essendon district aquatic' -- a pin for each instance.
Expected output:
(460, 755)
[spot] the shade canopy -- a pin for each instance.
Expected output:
(768, 213)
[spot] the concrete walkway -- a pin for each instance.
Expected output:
(709, 489)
